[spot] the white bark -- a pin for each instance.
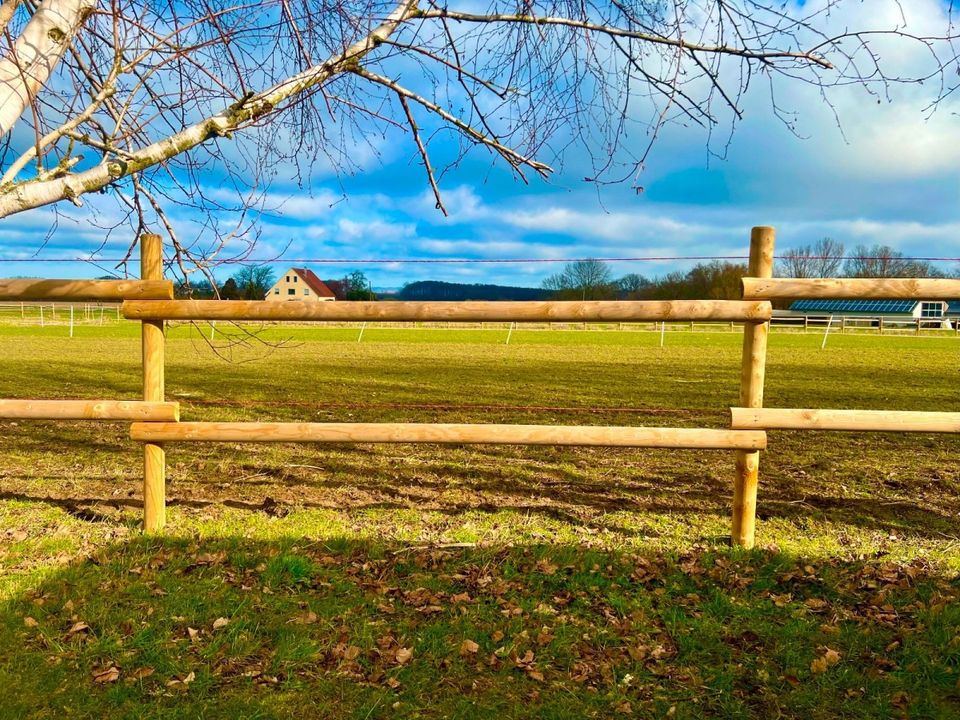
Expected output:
(36, 53)
(36, 193)
(7, 10)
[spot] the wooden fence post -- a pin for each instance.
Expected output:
(752, 373)
(154, 459)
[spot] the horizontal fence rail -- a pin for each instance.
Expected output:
(81, 290)
(845, 420)
(548, 311)
(850, 288)
(89, 410)
(694, 438)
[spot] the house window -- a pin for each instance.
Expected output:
(276, 291)
(931, 309)
(306, 291)
(291, 291)
(294, 278)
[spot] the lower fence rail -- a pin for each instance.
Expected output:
(80, 290)
(693, 438)
(844, 420)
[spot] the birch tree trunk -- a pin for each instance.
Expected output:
(34, 55)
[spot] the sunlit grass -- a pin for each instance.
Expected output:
(610, 566)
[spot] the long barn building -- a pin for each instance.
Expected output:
(932, 310)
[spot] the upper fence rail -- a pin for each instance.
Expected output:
(850, 288)
(85, 290)
(506, 311)
(16, 409)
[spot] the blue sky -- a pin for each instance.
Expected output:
(891, 176)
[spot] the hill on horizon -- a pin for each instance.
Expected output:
(439, 290)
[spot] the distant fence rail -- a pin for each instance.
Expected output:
(156, 422)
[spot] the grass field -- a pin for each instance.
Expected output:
(432, 582)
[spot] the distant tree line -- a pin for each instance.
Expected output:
(827, 258)
(251, 282)
(354, 286)
(593, 280)
(720, 280)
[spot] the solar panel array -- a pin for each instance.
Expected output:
(861, 306)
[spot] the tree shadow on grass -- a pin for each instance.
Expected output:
(227, 627)
(583, 503)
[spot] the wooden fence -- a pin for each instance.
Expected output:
(155, 422)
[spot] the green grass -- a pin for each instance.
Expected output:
(593, 582)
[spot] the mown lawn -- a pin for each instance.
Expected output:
(433, 582)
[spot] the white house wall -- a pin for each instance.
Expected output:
(301, 291)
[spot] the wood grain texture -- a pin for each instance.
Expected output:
(696, 438)
(757, 288)
(752, 376)
(479, 311)
(85, 290)
(152, 340)
(845, 420)
(89, 410)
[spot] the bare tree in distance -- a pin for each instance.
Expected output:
(884, 261)
(253, 281)
(631, 284)
(822, 259)
(582, 280)
(192, 107)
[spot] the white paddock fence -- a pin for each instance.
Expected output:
(67, 315)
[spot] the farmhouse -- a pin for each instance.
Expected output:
(917, 309)
(300, 284)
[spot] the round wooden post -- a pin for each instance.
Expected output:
(154, 460)
(752, 372)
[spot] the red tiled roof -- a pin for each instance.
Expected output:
(314, 283)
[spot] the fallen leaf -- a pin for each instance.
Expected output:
(469, 647)
(182, 681)
(106, 675)
(544, 637)
(77, 628)
(30, 622)
(220, 622)
(192, 633)
(141, 673)
(827, 659)
(352, 652)
(546, 567)
(307, 617)
(900, 699)
(403, 655)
